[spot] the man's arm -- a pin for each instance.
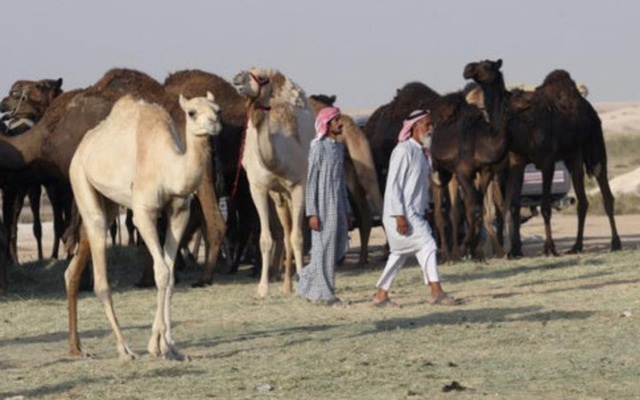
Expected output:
(311, 190)
(396, 179)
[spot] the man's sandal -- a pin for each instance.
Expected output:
(443, 299)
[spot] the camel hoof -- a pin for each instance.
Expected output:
(80, 354)
(263, 291)
(575, 250)
(616, 244)
(127, 356)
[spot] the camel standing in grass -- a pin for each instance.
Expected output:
(279, 131)
(135, 158)
(553, 123)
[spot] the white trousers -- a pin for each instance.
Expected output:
(426, 258)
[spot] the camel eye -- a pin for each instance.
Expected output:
(192, 113)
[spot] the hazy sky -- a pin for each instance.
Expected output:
(359, 50)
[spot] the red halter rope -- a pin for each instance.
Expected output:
(261, 83)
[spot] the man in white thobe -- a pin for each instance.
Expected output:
(406, 202)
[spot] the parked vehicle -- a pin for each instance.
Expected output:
(560, 187)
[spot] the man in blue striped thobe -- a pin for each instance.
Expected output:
(327, 207)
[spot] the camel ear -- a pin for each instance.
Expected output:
(183, 102)
(499, 63)
(59, 83)
(210, 97)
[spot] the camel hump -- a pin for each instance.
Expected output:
(287, 91)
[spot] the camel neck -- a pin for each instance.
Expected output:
(189, 165)
(495, 95)
(259, 119)
(19, 151)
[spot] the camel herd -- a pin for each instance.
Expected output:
(151, 147)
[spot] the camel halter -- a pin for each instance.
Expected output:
(23, 98)
(252, 102)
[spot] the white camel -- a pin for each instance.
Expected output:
(279, 130)
(136, 158)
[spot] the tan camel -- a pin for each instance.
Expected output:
(135, 158)
(279, 131)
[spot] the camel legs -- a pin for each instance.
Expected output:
(473, 213)
(577, 178)
(454, 216)
(492, 200)
(361, 209)
(283, 209)
(35, 193)
(545, 208)
(96, 212)
(72, 278)
(512, 207)
(297, 218)
(608, 200)
(178, 221)
(215, 224)
(261, 201)
(11, 205)
(441, 221)
(60, 197)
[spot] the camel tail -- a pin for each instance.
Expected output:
(71, 236)
(595, 154)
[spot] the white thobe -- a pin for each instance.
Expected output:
(407, 194)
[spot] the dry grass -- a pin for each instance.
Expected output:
(532, 328)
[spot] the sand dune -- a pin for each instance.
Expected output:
(619, 118)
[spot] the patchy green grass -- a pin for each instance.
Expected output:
(548, 328)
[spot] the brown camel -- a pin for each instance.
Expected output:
(553, 123)
(4, 261)
(135, 158)
(23, 107)
(242, 217)
(464, 144)
(360, 174)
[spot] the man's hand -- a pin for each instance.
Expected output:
(401, 225)
(314, 223)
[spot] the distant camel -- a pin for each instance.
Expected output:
(360, 174)
(279, 131)
(553, 123)
(135, 158)
(24, 107)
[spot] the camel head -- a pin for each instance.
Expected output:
(324, 99)
(202, 115)
(483, 72)
(254, 83)
(30, 99)
(559, 85)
